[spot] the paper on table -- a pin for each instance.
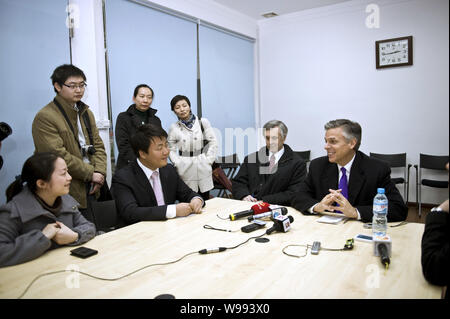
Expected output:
(330, 219)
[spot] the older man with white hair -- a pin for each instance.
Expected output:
(274, 173)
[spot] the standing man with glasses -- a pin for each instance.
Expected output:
(67, 126)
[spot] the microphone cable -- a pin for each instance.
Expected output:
(102, 278)
(201, 252)
(220, 229)
(298, 256)
(348, 246)
(222, 218)
(254, 237)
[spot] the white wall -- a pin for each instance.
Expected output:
(318, 65)
(88, 54)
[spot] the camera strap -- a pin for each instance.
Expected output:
(87, 123)
(86, 120)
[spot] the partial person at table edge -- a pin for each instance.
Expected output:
(436, 246)
(346, 180)
(148, 187)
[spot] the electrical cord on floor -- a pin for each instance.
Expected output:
(201, 252)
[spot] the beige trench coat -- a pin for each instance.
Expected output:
(52, 133)
(195, 171)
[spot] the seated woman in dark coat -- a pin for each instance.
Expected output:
(40, 215)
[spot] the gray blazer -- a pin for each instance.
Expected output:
(22, 221)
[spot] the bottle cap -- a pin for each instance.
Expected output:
(380, 190)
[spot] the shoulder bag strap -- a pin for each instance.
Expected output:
(87, 122)
(67, 120)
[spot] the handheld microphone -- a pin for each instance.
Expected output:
(258, 208)
(382, 246)
(384, 255)
(281, 224)
(273, 213)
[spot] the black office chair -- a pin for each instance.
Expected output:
(230, 165)
(305, 155)
(430, 162)
(397, 160)
(105, 216)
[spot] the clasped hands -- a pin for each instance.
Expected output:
(335, 196)
(97, 182)
(60, 233)
(194, 206)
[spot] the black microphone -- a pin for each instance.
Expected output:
(258, 208)
(383, 248)
(384, 254)
(281, 224)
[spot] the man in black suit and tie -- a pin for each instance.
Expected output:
(346, 180)
(274, 173)
(148, 187)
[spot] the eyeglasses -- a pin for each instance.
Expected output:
(80, 86)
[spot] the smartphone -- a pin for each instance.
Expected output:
(83, 252)
(361, 237)
(256, 224)
(315, 248)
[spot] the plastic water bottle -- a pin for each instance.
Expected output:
(380, 211)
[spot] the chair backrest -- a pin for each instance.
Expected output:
(105, 215)
(433, 161)
(304, 155)
(229, 161)
(229, 165)
(394, 160)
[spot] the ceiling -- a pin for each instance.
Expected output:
(255, 8)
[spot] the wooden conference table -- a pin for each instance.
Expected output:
(253, 270)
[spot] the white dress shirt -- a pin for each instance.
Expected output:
(171, 211)
(81, 137)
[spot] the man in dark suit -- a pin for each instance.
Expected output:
(148, 187)
(347, 178)
(273, 174)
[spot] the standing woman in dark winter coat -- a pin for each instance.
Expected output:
(40, 215)
(127, 122)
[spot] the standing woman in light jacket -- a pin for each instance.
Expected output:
(40, 215)
(186, 136)
(138, 113)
